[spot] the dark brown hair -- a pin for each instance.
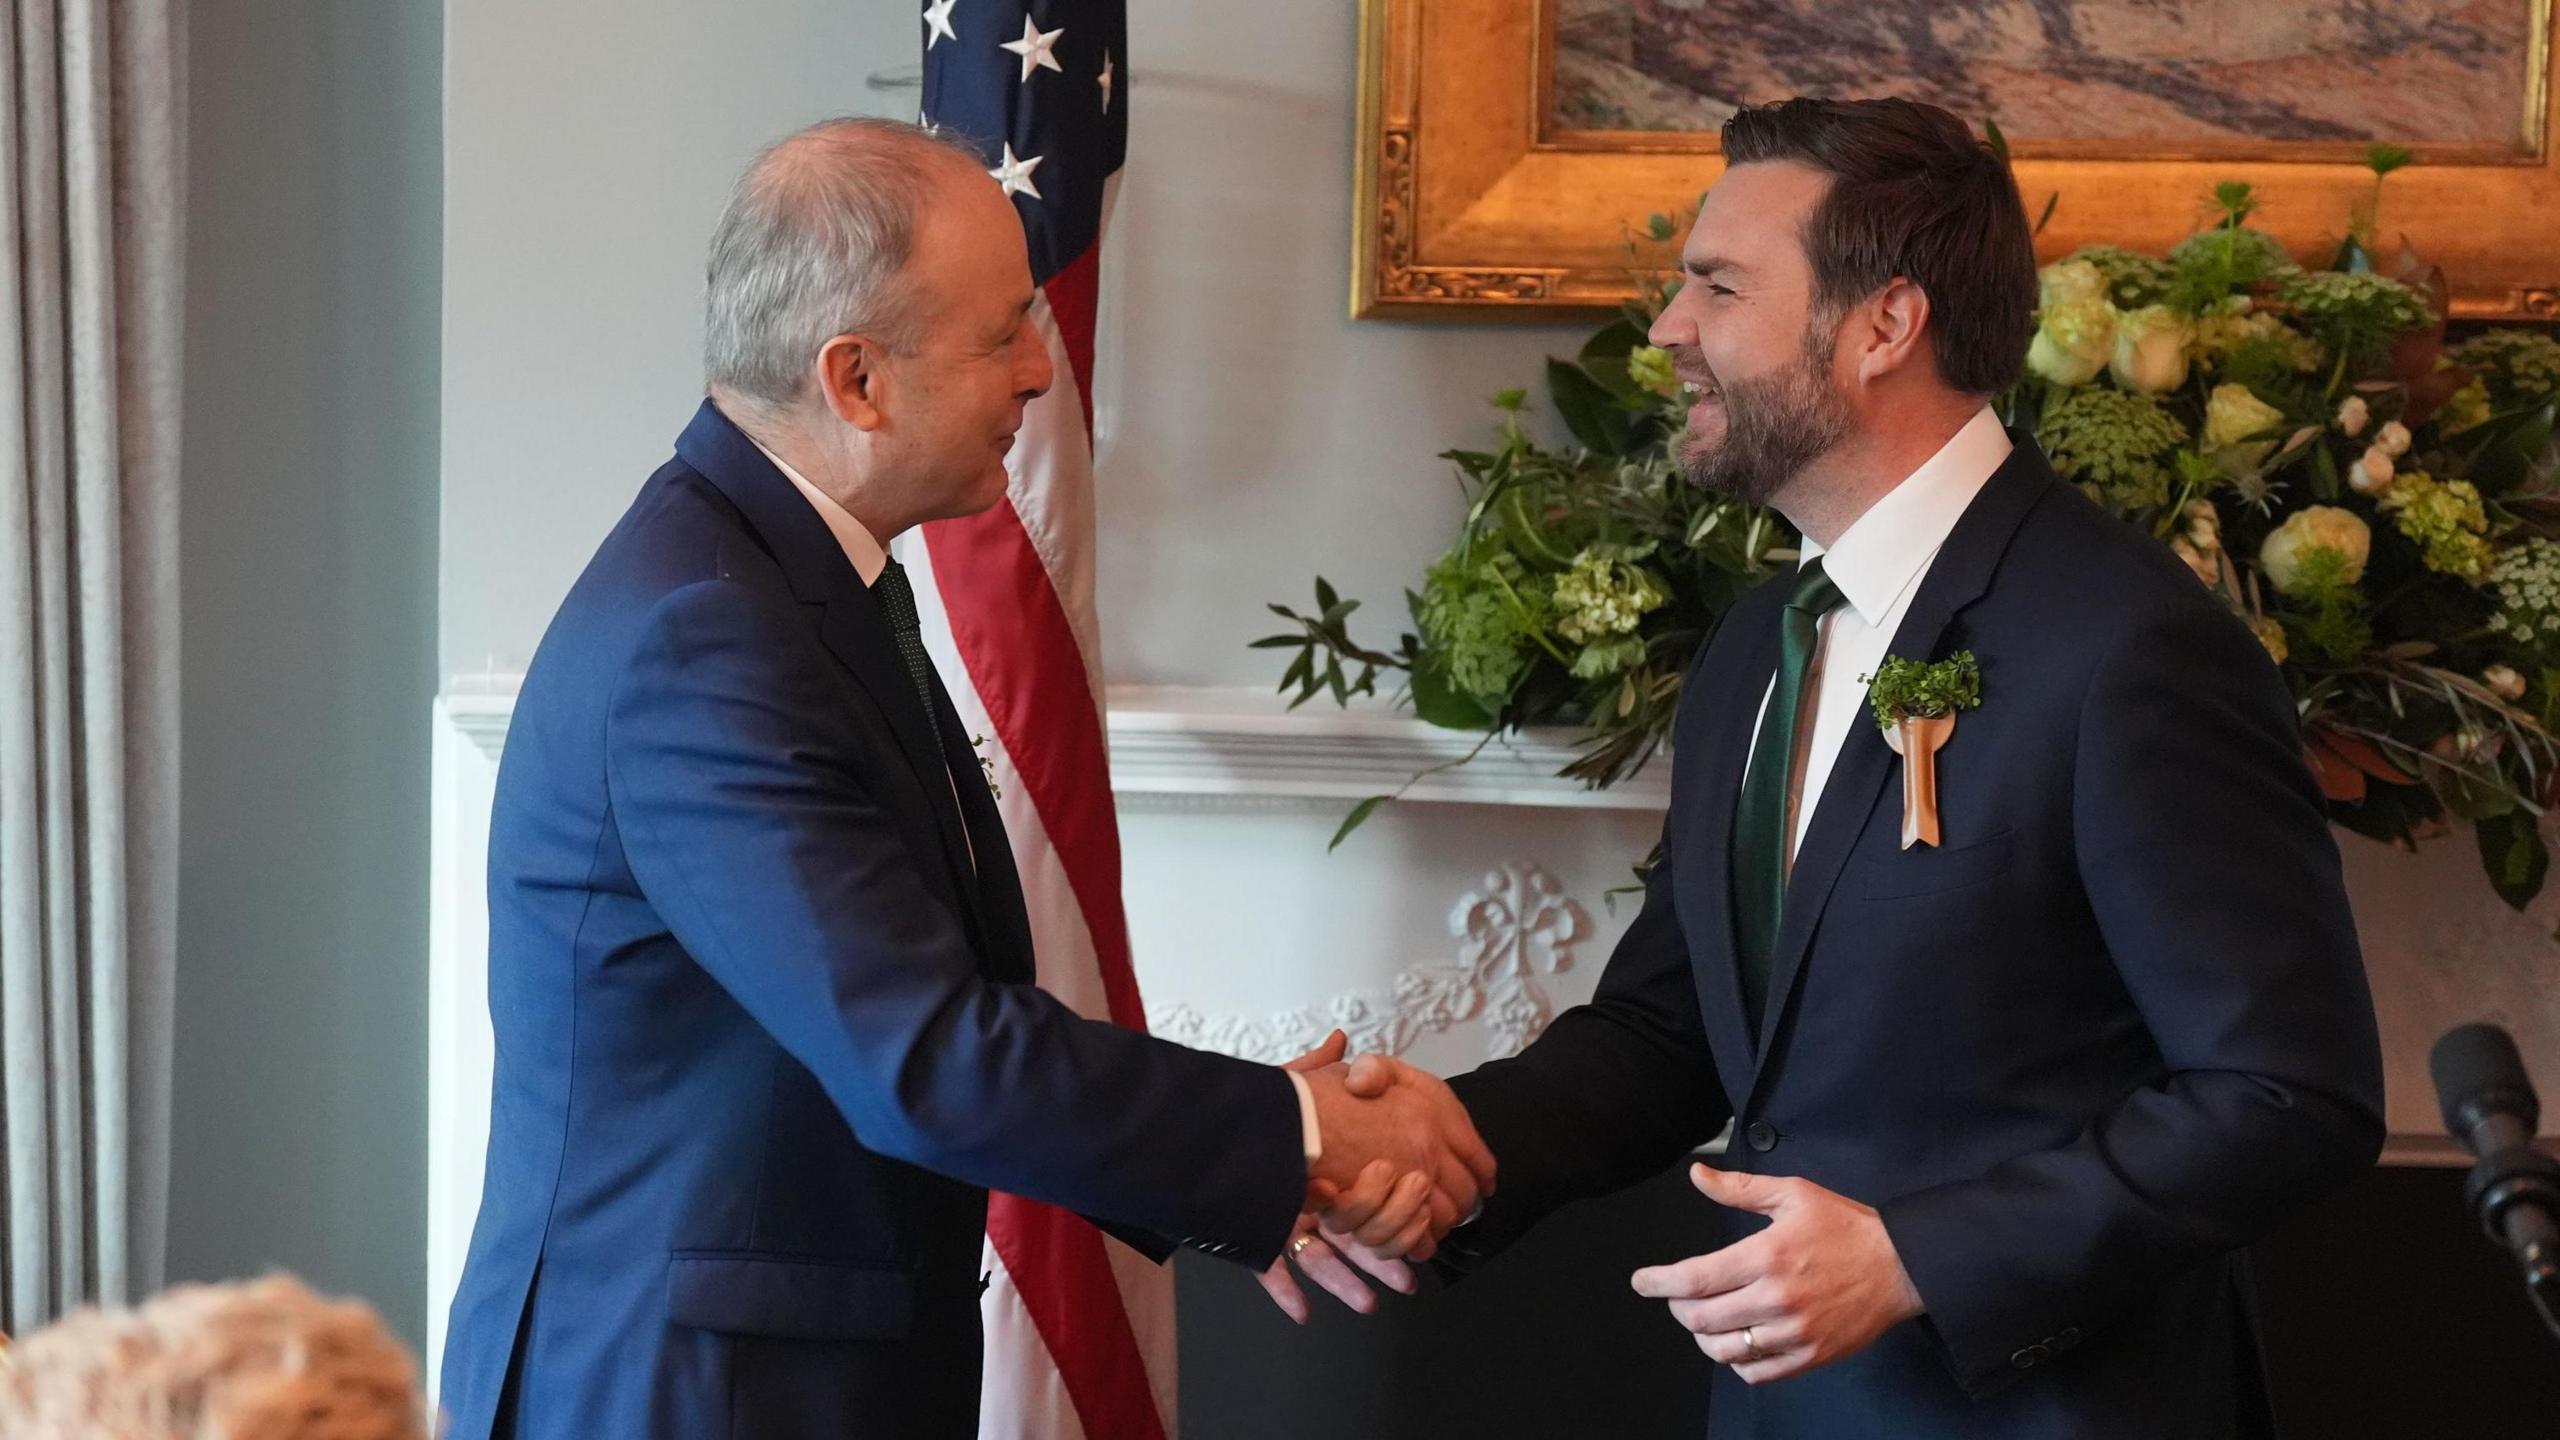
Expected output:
(1913, 195)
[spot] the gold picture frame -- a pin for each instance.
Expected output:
(1463, 206)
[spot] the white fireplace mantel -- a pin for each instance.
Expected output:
(1172, 744)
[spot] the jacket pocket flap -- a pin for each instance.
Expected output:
(1927, 870)
(792, 1299)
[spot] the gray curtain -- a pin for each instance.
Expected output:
(91, 92)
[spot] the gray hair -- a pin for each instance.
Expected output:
(811, 246)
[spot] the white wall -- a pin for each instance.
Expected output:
(588, 147)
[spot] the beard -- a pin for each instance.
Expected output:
(1774, 426)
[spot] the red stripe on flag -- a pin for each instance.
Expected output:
(1064, 1277)
(1073, 299)
(1029, 671)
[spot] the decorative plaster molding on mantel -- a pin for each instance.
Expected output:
(1187, 748)
(1517, 925)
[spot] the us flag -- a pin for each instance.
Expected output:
(1079, 1328)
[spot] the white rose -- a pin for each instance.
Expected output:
(2151, 350)
(2075, 326)
(2233, 413)
(2312, 530)
(2352, 415)
(2392, 439)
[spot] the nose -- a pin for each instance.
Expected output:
(1672, 327)
(1036, 371)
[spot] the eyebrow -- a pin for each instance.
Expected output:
(1708, 264)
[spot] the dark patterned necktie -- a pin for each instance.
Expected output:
(898, 602)
(1760, 828)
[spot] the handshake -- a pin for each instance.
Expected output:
(1401, 1165)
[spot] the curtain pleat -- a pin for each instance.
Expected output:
(90, 314)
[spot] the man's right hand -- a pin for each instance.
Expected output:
(1401, 1161)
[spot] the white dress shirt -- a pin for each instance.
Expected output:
(869, 559)
(1878, 563)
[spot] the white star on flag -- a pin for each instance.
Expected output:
(938, 16)
(1106, 82)
(1015, 175)
(1034, 48)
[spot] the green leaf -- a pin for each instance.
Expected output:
(2506, 461)
(1659, 228)
(1275, 642)
(2324, 473)
(1604, 358)
(2512, 852)
(1442, 703)
(1589, 410)
(1510, 399)
(1325, 595)
(1999, 143)
(2052, 202)
(1359, 814)
(2383, 159)
(1297, 673)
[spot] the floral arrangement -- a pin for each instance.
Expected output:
(2377, 504)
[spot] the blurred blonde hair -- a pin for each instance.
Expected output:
(256, 1360)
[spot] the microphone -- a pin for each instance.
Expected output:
(2491, 1110)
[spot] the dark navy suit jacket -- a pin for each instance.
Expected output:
(2112, 1030)
(764, 1034)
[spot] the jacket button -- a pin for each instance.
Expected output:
(2068, 1338)
(2030, 1357)
(1761, 1136)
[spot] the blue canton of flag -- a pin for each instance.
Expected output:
(1038, 88)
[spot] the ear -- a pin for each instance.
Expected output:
(851, 376)
(1888, 330)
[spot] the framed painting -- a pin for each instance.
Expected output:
(1508, 149)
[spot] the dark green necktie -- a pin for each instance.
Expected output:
(1760, 829)
(898, 602)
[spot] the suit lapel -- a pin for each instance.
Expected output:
(1957, 577)
(1714, 759)
(850, 624)
(998, 885)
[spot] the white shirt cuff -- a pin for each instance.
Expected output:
(1307, 1116)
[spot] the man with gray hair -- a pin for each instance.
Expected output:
(759, 967)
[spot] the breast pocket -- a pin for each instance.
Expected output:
(1928, 870)
(789, 1298)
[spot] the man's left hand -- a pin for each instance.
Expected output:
(1820, 1284)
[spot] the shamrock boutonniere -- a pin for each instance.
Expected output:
(1916, 707)
(986, 765)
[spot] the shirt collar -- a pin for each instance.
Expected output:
(1881, 553)
(866, 553)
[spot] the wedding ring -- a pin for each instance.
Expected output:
(1750, 1347)
(1299, 1246)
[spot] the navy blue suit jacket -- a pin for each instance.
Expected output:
(764, 1034)
(2112, 1030)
